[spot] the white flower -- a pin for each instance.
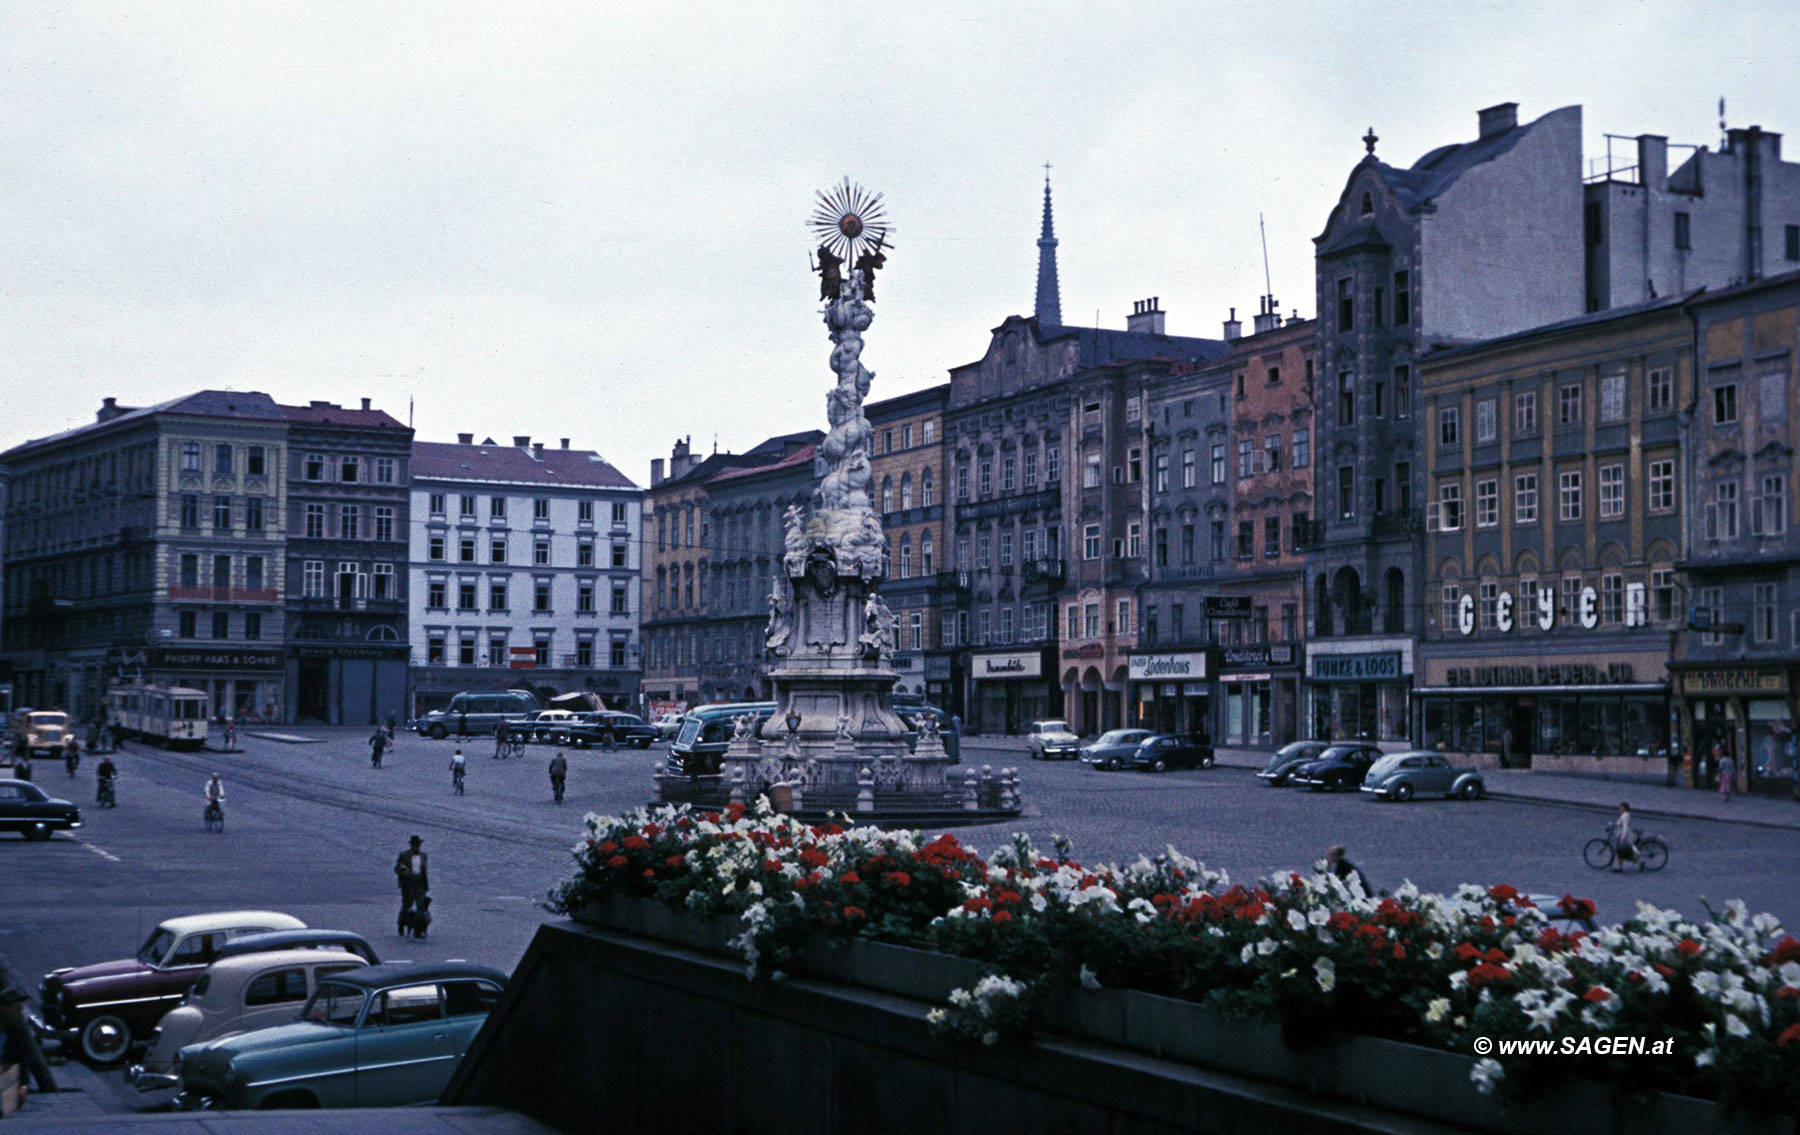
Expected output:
(1704, 1058)
(1038, 903)
(1437, 1010)
(1142, 909)
(1089, 980)
(990, 1038)
(1267, 946)
(937, 1016)
(1434, 951)
(1486, 1075)
(1296, 921)
(1319, 916)
(1735, 1026)
(1247, 954)
(959, 998)
(1325, 972)
(1706, 983)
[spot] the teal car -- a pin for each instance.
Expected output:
(382, 1036)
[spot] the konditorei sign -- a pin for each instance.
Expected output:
(1014, 664)
(1185, 666)
(1380, 666)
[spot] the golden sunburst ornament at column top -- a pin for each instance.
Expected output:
(850, 221)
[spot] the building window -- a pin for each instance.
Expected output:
(906, 436)
(350, 470)
(435, 546)
(1160, 469)
(496, 549)
(1302, 448)
(1764, 603)
(222, 513)
(190, 570)
(984, 549)
(1450, 507)
(1008, 476)
(255, 461)
(1568, 405)
(542, 648)
(1448, 431)
(925, 559)
(384, 470)
(382, 582)
(1486, 426)
(1661, 385)
(465, 550)
(1090, 614)
(465, 506)
(540, 595)
(1488, 604)
(1662, 587)
(1525, 498)
(497, 595)
(984, 627)
(315, 467)
(1217, 540)
(1346, 306)
(1722, 518)
(1380, 407)
(253, 514)
(315, 522)
(926, 499)
(1402, 298)
(349, 522)
(465, 595)
(1612, 397)
(1450, 599)
(1612, 491)
(1769, 517)
(1090, 542)
(1159, 539)
(1272, 453)
(540, 553)
(1525, 412)
(986, 470)
(1090, 472)
(1793, 242)
(221, 572)
(1712, 603)
(1346, 398)
(253, 572)
(1528, 598)
(621, 516)
(1052, 464)
(1246, 539)
(962, 482)
(584, 553)
(1134, 464)
(1487, 504)
(1134, 540)
(1246, 457)
(1006, 551)
(190, 457)
(312, 580)
(435, 591)
(1683, 231)
(540, 508)
(1612, 598)
(1218, 464)
(1402, 392)
(221, 461)
(584, 595)
(1271, 537)
(1662, 486)
(1568, 499)
(1725, 403)
(1346, 484)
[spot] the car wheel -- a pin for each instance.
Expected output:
(38, 830)
(642, 743)
(1036, 756)
(105, 1039)
(1206, 762)
(1160, 765)
(1403, 792)
(437, 732)
(1471, 790)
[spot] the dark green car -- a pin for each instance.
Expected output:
(1280, 769)
(1113, 750)
(384, 1036)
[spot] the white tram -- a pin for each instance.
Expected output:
(169, 715)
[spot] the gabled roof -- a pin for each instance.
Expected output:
(1591, 319)
(251, 405)
(570, 467)
(325, 414)
(1098, 346)
(801, 456)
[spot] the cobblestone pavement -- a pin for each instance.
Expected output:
(313, 830)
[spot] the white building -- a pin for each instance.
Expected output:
(524, 572)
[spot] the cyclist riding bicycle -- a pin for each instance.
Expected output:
(458, 767)
(215, 797)
(71, 754)
(103, 787)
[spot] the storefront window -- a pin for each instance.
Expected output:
(1772, 743)
(1646, 727)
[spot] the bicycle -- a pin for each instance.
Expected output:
(215, 816)
(1649, 853)
(456, 780)
(103, 793)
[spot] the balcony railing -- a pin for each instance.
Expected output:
(1045, 571)
(224, 594)
(1397, 522)
(953, 580)
(338, 603)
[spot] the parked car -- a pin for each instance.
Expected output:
(308, 939)
(1401, 776)
(699, 749)
(38, 731)
(1340, 766)
(477, 713)
(383, 1036)
(590, 729)
(549, 724)
(101, 1009)
(33, 813)
(1051, 740)
(236, 994)
(668, 725)
(1114, 749)
(1582, 918)
(948, 733)
(1281, 766)
(1162, 751)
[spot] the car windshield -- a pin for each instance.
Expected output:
(334, 1004)
(155, 947)
(1053, 727)
(690, 731)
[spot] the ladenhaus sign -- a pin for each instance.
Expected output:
(1148, 667)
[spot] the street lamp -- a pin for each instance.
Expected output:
(793, 720)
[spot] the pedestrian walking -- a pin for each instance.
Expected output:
(411, 872)
(22, 767)
(559, 773)
(607, 740)
(18, 1042)
(1624, 840)
(499, 739)
(231, 733)
(1339, 864)
(1727, 766)
(377, 745)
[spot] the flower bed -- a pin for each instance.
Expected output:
(1307, 949)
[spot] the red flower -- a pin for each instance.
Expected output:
(1005, 897)
(734, 812)
(618, 861)
(608, 847)
(1487, 924)
(652, 830)
(1487, 974)
(1786, 950)
(1664, 970)
(649, 873)
(1599, 994)
(1503, 892)
(1467, 951)
(1399, 952)
(1574, 907)
(1788, 992)
(1789, 1035)
(1342, 920)
(772, 866)
(675, 860)
(1003, 916)
(897, 878)
(855, 912)
(636, 843)
(850, 877)
(977, 904)
(813, 857)
(1689, 947)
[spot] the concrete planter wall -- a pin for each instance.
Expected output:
(1105, 1060)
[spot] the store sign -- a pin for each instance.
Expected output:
(397, 650)
(1150, 667)
(1587, 609)
(1357, 667)
(937, 667)
(1226, 606)
(1021, 664)
(202, 658)
(1734, 681)
(1279, 654)
(1090, 650)
(903, 661)
(1555, 674)
(522, 657)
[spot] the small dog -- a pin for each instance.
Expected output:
(418, 917)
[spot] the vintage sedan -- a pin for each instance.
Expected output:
(100, 1010)
(1286, 759)
(1052, 741)
(1114, 748)
(585, 730)
(1341, 766)
(33, 813)
(308, 939)
(1401, 776)
(1165, 751)
(384, 1036)
(250, 991)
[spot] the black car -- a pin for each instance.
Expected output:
(1339, 767)
(1281, 766)
(33, 813)
(1171, 750)
(590, 729)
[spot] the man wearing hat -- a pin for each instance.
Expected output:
(410, 871)
(18, 1045)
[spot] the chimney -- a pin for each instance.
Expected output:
(109, 409)
(565, 442)
(1498, 119)
(1233, 329)
(656, 473)
(465, 439)
(1146, 317)
(1268, 315)
(537, 451)
(365, 403)
(321, 404)
(521, 440)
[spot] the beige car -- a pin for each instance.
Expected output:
(39, 731)
(251, 991)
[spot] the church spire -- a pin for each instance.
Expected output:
(1049, 295)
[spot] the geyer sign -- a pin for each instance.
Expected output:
(1587, 611)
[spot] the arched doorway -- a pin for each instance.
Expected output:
(1087, 717)
(1346, 596)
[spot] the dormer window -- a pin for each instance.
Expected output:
(1368, 204)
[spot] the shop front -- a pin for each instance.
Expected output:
(242, 683)
(1745, 711)
(1602, 709)
(1358, 689)
(1010, 690)
(940, 682)
(1169, 691)
(910, 666)
(1258, 694)
(347, 684)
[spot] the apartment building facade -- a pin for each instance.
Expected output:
(907, 470)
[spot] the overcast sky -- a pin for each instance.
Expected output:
(588, 220)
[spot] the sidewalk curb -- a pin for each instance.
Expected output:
(1654, 813)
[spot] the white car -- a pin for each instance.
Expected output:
(1052, 741)
(668, 725)
(552, 724)
(251, 991)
